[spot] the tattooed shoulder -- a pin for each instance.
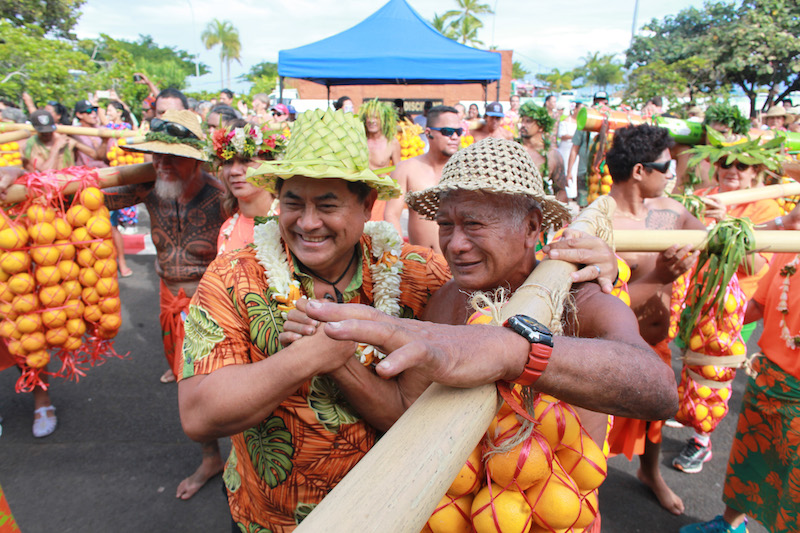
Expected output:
(662, 219)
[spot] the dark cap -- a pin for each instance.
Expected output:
(42, 121)
(495, 109)
(84, 106)
(601, 95)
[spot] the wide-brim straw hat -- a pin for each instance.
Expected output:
(496, 166)
(776, 111)
(325, 144)
(185, 118)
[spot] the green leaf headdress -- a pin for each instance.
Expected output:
(385, 112)
(747, 151)
(730, 115)
(540, 115)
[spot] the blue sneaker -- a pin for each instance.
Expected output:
(718, 525)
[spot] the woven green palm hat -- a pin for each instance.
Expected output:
(325, 144)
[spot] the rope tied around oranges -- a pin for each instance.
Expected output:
(59, 294)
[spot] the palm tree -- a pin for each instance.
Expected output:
(226, 36)
(440, 24)
(466, 24)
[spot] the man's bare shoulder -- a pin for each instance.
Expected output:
(666, 213)
(416, 173)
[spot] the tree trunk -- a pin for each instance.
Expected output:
(221, 74)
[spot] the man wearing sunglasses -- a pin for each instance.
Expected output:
(640, 165)
(444, 132)
(90, 151)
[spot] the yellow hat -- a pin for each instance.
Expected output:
(325, 144)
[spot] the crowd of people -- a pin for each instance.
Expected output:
(304, 213)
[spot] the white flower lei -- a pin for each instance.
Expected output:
(386, 269)
(783, 304)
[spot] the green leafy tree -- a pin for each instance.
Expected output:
(263, 76)
(226, 36)
(518, 72)
(751, 46)
(465, 22)
(600, 70)
(441, 25)
(557, 81)
(56, 16)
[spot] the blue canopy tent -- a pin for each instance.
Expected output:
(395, 45)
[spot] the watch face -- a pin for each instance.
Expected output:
(531, 329)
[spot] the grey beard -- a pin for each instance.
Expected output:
(169, 190)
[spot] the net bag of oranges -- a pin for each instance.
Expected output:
(535, 472)
(59, 295)
(710, 326)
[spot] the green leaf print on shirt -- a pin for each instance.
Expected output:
(202, 334)
(231, 477)
(329, 405)
(270, 447)
(265, 322)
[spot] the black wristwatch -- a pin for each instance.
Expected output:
(541, 339)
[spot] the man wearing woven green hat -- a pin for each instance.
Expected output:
(185, 211)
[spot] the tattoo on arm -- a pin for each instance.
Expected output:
(662, 219)
(126, 196)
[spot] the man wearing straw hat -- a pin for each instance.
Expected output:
(776, 118)
(185, 217)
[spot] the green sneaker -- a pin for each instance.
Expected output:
(718, 525)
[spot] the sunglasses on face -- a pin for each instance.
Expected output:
(662, 167)
(277, 114)
(738, 164)
(448, 132)
(171, 128)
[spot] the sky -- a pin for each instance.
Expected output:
(543, 35)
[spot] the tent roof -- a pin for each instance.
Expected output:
(394, 45)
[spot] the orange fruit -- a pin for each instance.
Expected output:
(703, 392)
(451, 515)
(56, 336)
(73, 289)
(42, 233)
(77, 215)
(102, 249)
(92, 313)
(708, 328)
(25, 303)
(718, 411)
(47, 275)
(105, 268)
(92, 198)
(106, 333)
(32, 342)
(466, 482)
(73, 308)
(624, 270)
(52, 296)
(720, 342)
(586, 464)
(15, 347)
(107, 287)
(4, 275)
(76, 327)
(110, 321)
(62, 227)
(6, 294)
(512, 467)
(695, 343)
(45, 255)
(69, 270)
(29, 323)
(65, 248)
(37, 359)
(89, 296)
(738, 348)
(112, 305)
(724, 393)
(54, 318)
(99, 226)
(556, 502)
(589, 508)
(700, 412)
(72, 343)
(8, 330)
(14, 262)
(493, 507)
(86, 258)
(731, 305)
(38, 213)
(12, 237)
(558, 423)
(7, 312)
(102, 212)
(80, 236)
(88, 277)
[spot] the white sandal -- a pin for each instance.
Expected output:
(44, 425)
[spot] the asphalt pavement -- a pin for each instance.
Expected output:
(114, 463)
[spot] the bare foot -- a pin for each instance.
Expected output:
(167, 377)
(210, 467)
(668, 499)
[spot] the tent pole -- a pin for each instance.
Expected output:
(485, 93)
(498, 91)
(328, 86)
(280, 89)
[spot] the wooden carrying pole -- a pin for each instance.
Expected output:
(745, 196)
(74, 130)
(658, 241)
(397, 485)
(107, 177)
(12, 136)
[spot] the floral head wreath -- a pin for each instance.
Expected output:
(246, 142)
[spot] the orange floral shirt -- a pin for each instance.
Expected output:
(279, 470)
